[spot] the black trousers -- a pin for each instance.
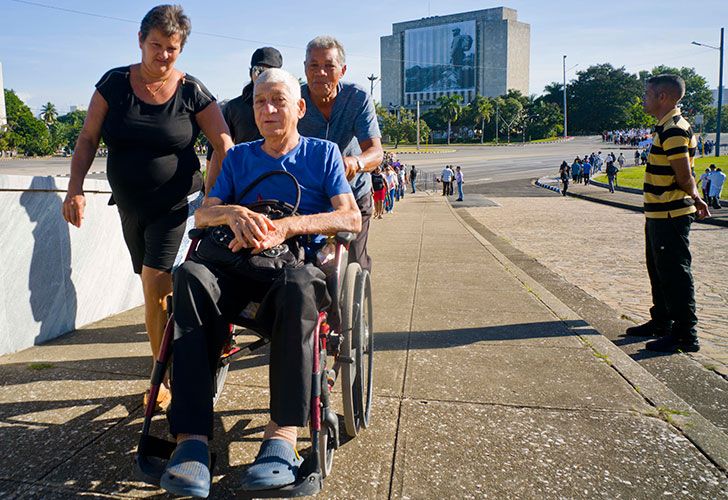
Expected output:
(671, 280)
(205, 302)
(358, 247)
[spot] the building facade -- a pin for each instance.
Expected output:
(484, 52)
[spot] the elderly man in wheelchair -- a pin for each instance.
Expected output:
(207, 298)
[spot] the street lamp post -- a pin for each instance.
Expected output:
(720, 89)
(565, 121)
(372, 78)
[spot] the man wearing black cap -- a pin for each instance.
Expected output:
(238, 112)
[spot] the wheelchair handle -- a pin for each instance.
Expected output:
(345, 237)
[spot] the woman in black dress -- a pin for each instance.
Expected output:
(149, 115)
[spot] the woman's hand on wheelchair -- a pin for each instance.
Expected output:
(250, 228)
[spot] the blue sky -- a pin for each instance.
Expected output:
(57, 56)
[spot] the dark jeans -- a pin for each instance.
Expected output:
(358, 247)
(205, 302)
(671, 280)
(565, 182)
(445, 188)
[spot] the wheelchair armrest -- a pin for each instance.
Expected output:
(345, 237)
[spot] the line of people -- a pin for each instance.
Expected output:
(389, 182)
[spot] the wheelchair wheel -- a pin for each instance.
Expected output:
(363, 343)
(326, 449)
(348, 367)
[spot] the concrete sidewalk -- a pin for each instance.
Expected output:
(485, 385)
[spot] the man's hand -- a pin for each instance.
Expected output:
(250, 228)
(351, 167)
(73, 207)
(274, 237)
(702, 208)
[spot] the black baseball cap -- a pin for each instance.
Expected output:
(266, 56)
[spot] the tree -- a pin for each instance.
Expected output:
(698, 97)
(637, 117)
(25, 132)
(49, 113)
(554, 93)
(449, 108)
(544, 119)
(510, 111)
(74, 120)
(600, 98)
(481, 109)
(710, 119)
(402, 126)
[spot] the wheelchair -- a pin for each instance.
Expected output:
(343, 350)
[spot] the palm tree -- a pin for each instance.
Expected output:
(450, 108)
(49, 113)
(482, 109)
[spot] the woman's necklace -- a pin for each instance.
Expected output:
(155, 91)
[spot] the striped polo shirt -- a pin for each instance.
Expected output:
(673, 139)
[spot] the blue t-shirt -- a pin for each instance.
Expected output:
(353, 119)
(316, 165)
(586, 168)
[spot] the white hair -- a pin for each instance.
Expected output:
(327, 42)
(277, 75)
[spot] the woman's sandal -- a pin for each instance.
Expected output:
(275, 466)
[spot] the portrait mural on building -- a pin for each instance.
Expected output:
(440, 58)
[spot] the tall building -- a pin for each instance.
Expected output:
(3, 113)
(484, 52)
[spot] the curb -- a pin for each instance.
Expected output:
(619, 204)
(708, 438)
(398, 152)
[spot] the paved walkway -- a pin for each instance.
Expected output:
(486, 386)
(615, 237)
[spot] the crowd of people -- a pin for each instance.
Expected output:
(389, 184)
(705, 148)
(581, 170)
(630, 137)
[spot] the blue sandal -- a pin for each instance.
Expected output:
(188, 470)
(275, 466)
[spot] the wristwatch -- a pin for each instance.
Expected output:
(359, 165)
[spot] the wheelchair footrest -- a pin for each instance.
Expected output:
(304, 486)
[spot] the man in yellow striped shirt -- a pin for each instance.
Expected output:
(671, 203)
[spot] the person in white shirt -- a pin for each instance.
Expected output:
(459, 180)
(446, 178)
(620, 160)
(704, 182)
(717, 178)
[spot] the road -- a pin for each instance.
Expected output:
(479, 163)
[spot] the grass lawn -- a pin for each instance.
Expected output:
(634, 176)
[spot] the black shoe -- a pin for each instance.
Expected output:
(674, 343)
(649, 329)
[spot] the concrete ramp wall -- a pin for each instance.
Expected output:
(55, 277)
